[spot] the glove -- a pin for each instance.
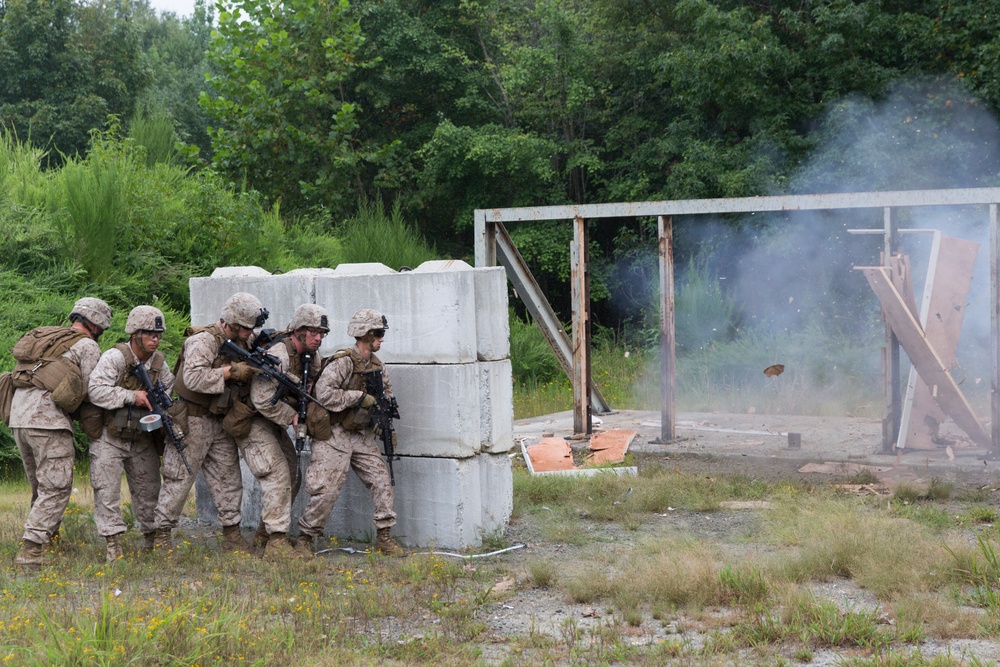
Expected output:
(241, 371)
(367, 401)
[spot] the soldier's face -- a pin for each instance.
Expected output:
(377, 336)
(149, 340)
(239, 332)
(309, 339)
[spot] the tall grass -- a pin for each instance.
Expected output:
(154, 131)
(373, 235)
(94, 217)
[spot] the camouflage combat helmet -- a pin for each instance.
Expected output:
(95, 311)
(310, 315)
(144, 318)
(245, 310)
(364, 321)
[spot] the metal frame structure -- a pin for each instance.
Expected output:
(494, 245)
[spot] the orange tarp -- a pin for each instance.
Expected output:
(551, 454)
(610, 446)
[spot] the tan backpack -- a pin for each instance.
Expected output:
(6, 396)
(40, 364)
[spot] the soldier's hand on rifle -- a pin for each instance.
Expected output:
(142, 399)
(367, 401)
(241, 371)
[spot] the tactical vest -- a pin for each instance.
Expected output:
(295, 368)
(214, 403)
(356, 382)
(125, 420)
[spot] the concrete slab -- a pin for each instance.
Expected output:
(492, 319)
(439, 409)
(449, 503)
(280, 294)
(432, 316)
(760, 443)
(496, 406)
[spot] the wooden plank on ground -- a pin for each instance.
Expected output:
(922, 354)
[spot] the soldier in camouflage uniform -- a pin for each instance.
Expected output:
(209, 384)
(124, 447)
(268, 451)
(352, 444)
(44, 434)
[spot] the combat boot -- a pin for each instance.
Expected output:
(114, 550)
(304, 547)
(278, 547)
(30, 555)
(232, 540)
(260, 539)
(148, 542)
(161, 540)
(386, 545)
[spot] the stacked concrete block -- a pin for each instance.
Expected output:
(280, 294)
(447, 350)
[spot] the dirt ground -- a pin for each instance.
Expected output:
(756, 446)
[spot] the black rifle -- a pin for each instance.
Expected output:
(300, 431)
(161, 402)
(384, 411)
(270, 367)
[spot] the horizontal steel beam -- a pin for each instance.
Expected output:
(904, 198)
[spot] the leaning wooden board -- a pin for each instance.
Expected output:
(922, 355)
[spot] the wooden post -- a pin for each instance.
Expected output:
(579, 277)
(891, 376)
(668, 366)
(995, 330)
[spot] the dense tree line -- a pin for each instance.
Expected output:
(452, 105)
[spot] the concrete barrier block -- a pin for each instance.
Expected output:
(496, 485)
(280, 294)
(492, 319)
(439, 409)
(431, 315)
(496, 406)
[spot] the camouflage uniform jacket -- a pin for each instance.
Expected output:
(339, 387)
(105, 382)
(32, 407)
(262, 388)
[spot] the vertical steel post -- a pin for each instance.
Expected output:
(665, 225)
(891, 378)
(486, 240)
(579, 277)
(995, 330)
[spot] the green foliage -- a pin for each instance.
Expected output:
(154, 131)
(65, 66)
(371, 235)
(285, 123)
(93, 216)
(532, 360)
(175, 50)
(703, 313)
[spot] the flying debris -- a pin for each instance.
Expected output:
(774, 370)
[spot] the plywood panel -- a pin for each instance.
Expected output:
(922, 354)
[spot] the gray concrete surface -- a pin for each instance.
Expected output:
(758, 443)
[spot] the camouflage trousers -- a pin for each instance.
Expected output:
(48, 462)
(210, 450)
(110, 456)
(327, 473)
(270, 456)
